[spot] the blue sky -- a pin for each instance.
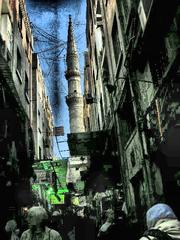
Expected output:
(50, 26)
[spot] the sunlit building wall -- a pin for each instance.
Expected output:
(42, 115)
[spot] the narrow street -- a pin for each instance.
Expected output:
(89, 119)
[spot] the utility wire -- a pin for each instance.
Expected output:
(55, 174)
(45, 34)
(50, 49)
(58, 148)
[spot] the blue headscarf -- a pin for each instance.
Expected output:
(157, 212)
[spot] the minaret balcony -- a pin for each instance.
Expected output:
(71, 99)
(72, 73)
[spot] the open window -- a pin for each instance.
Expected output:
(115, 40)
(19, 65)
(126, 115)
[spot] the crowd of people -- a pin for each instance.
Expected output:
(58, 225)
(162, 224)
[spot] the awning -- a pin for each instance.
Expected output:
(86, 143)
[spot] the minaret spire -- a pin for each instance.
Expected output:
(74, 98)
(72, 55)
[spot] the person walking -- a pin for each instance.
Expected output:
(114, 226)
(57, 223)
(108, 230)
(11, 229)
(162, 223)
(37, 220)
(85, 227)
(70, 220)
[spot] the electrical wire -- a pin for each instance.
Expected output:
(58, 148)
(55, 174)
(49, 49)
(45, 34)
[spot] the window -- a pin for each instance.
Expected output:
(27, 44)
(26, 86)
(121, 16)
(99, 123)
(147, 6)
(115, 40)
(102, 110)
(40, 153)
(158, 62)
(142, 15)
(88, 123)
(123, 9)
(133, 161)
(126, 116)
(94, 84)
(96, 57)
(47, 133)
(105, 70)
(126, 7)
(98, 13)
(19, 62)
(20, 18)
(138, 185)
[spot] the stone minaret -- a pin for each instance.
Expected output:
(74, 98)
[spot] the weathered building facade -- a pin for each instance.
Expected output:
(17, 143)
(42, 114)
(131, 90)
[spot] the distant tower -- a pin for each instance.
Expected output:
(74, 98)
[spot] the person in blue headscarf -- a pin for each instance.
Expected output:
(162, 223)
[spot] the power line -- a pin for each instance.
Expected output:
(50, 49)
(58, 148)
(45, 34)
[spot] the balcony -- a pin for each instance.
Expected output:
(5, 69)
(87, 142)
(90, 99)
(73, 98)
(163, 115)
